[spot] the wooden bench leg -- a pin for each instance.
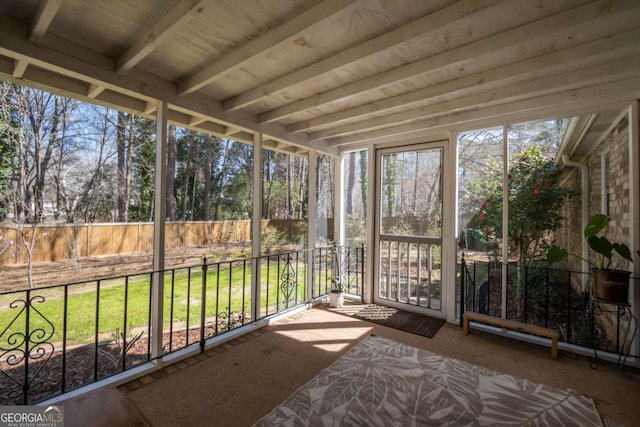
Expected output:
(554, 347)
(465, 325)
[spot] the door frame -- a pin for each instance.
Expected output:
(448, 238)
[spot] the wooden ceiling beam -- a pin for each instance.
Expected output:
(164, 28)
(93, 90)
(196, 120)
(546, 106)
(561, 83)
(229, 131)
(45, 13)
(99, 69)
(150, 107)
(426, 26)
(588, 54)
(568, 28)
(19, 67)
(240, 56)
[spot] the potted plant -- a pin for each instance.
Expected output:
(608, 284)
(336, 294)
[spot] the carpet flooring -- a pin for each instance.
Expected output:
(414, 323)
(382, 382)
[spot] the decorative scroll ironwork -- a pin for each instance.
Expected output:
(20, 349)
(347, 265)
(288, 281)
(624, 336)
(351, 268)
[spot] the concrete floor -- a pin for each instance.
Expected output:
(237, 383)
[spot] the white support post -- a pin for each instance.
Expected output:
(634, 209)
(370, 226)
(157, 286)
(256, 226)
(338, 196)
(311, 220)
(505, 216)
(450, 225)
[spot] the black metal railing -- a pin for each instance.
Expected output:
(54, 339)
(540, 295)
(343, 263)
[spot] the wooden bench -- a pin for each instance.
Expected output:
(513, 326)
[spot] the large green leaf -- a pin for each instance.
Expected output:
(596, 224)
(601, 245)
(623, 250)
(556, 254)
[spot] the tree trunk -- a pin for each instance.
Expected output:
(351, 182)
(171, 174)
(187, 177)
(364, 154)
(221, 182)
(121, 142)
(208, 165)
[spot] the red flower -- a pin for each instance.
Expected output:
(536, 191)
(482, 217)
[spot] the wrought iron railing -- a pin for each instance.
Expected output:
(549, 297)
(54, 339)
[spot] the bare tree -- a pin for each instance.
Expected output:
(41, 120)
(207, 170)
(125, 146)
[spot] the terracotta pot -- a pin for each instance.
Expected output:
(610, 285)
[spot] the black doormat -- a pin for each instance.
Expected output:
(414, 323)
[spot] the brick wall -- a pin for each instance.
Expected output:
(618, 185)
(615, 149)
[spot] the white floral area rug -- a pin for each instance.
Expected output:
(380, 382)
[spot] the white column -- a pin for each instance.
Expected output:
(157, 286)
(311, 220)
(505, 216)
(450, 225)
(370, 226)
(256, 226)
(338, 196)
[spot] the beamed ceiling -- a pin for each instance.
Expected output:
(331, 75)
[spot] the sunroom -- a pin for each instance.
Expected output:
(426, 110)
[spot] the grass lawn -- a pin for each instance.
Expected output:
(228, 289)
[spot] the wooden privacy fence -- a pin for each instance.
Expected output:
(72, 241)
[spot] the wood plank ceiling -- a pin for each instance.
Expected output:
(330, 75)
